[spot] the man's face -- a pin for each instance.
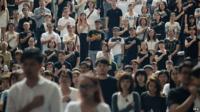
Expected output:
(25, 11)
(102, 69)
(42, 3)
(31, 68)
(184, 75)
(195, 82)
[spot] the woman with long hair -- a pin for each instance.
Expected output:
(140, 80)
(152, 41)
(126, 100)
(51, 52)
(142, 28)
(82, 29)
(152, 100)
(4, 17)
(131, 15)
(90, 96)
(163, 11)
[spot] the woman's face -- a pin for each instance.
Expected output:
(65, 79)
(91, 4)
(162, 6)
(87, 88)
(70, 46)
(143, 22)
(144, 10)
(75, 78)
(161, 46)
(163, 79)
(83, 16)
(31, 42)
(174, 76)
(140, 78)
(152, 87)
(151, 33)
(125, 84)
(11, 27)
(104, 48)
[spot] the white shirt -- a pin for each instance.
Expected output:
(73, 96)
(124, 102)
(101, 55)
(47, 35)
(131, 18)
(166, 89)
(92, 18)
(75, 107)
(20, 95)
(152, 44)
(117, 49)
(63, 21)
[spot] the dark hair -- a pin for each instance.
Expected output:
(48, 45)
(154, 37)
(196, 71)
(32, 53)
(165, 72)
(15, 75)
(89, 60)
(165, 4)
(140, 20)
(172, 84)
(125, 76)
(185, 65)
(157, 82)
(98, 94)
(67, 72)
(84, 63)
(102, 61)
(140, 72)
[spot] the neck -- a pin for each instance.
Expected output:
(67, 16)
(141, 84)
(125, 93)
(152, 93)
(91, 8)
(31, 82)
(102, 76)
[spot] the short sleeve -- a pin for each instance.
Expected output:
(120, 14)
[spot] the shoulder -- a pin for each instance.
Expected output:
(17, 86)
(103, 107)
(73, 106)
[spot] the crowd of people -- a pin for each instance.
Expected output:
(100, 55)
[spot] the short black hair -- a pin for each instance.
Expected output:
(32, 53)
(140, 72)
(185, 64)
(196, 71)
(102, 61)
(125, 77)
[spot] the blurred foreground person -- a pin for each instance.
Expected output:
(90, 96)
(34, 93)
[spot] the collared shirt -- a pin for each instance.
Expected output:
(20, 95)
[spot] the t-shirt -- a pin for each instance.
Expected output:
(54, 56)
(161, 63)
(97, 38)
(76, 107)
(63, 21)
(153, 103)
(73, 58)
(23, 35)
(92, 17)
(108, 87)
(117, 49)
(114, 17)
(146, 61)
(131, 18)
(192, 50)
(73, 96)
(170, 45)
(58, 65)
(178, 96)
(131, 53)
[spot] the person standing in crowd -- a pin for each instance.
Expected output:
(12, 37)
(40, 12)
(163, 11)
(108, 83)
(49, 36)
(163, 77)
(152, 41)
(116, 44)
(172, 45)
(51, 53)
(26, 18)
(4, 17)
(7, 57)
(90, 96)
(25, 35)
(132, 46)
(152, 100)
(68, 93)
(191, 46)
(92, 14)
(142, 29)
(182, 98)
(131, 16)
(113, 18)
(161, 55)
(140, 80)
(65, 21)
(144, 56)
(40, 95)
(95, 39)
(126, 100)
(83, 29)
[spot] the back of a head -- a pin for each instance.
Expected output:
(32, 53)
(196, 71)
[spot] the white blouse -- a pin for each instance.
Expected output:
(123, 102)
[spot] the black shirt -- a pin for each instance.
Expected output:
(97, 38)
(23, 35)
(54, 58)
(73, 58)
(161, 63)
(178, 96)
(146, 61)
(114, 17)
(30, 21)
(140, 89)
(108, 87)
(67, 65)
(131, 53)
(170, 45)
(154, 103)
(192, 50)
(159, 28)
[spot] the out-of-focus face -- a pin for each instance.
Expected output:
(161, 46)
(65, 79)
(61, 57)
(174, 75)
(75, 78)
(152, 87)
(91, 4)
(31, 68)
(151, 33)
(140, 78)
(125, 84)
(26, 26)
(42, 3)
(102, 69)
(195, 82)
(31, 42)
(143, 46)
(114, 2)
(25, 11)
(163, 79)
(162, 6)
(87, 88)
(184, 76)
(11, 27)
